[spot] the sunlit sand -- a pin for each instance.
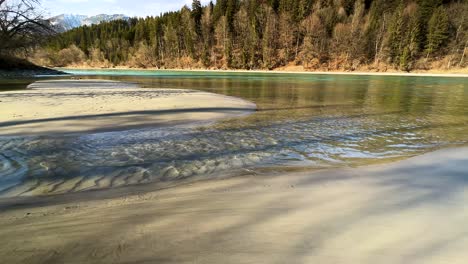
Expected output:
(71, 106)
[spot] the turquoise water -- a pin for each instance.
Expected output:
(304, 121)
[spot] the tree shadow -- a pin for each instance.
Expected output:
(368, 214)
(129, 113)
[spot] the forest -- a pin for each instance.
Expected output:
(329, 35)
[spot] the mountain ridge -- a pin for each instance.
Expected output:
(65, 22)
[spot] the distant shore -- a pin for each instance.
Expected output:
(412, 211)
(29, 73)
(434, 73)
(12, 67)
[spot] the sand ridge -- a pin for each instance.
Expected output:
(70, 106)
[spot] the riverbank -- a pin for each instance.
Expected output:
(413, 211)
(72, 106)
(295, 70)
(29, 73)
(11, 67)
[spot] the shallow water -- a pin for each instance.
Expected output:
(311, 121)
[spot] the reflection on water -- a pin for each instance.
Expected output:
(303, 121)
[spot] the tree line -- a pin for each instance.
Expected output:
(268, 34)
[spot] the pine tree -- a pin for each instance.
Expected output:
(396, 34)
(437, 30)
(405, 60)
(269, 40)
(197, 13)
(426, 10)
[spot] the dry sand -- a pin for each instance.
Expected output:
(69, 106)
(413, 211)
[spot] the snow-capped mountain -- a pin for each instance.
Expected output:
(66, 22)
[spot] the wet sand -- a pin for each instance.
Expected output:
(71, 106)
(412, 211)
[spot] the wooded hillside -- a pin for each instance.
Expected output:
(268, 34)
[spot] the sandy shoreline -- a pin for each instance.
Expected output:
(411, 74)
(413, 211)
(71, 106)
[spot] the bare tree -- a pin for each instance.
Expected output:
(21, 24)
(26, 2)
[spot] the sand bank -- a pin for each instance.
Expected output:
(69, 106)
(413, 211)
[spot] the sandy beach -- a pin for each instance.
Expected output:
(412, 211)
(70, 106)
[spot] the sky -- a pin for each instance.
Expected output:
(140, 8)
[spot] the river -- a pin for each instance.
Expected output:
(304, 121)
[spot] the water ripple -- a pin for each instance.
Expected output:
(48, 165)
